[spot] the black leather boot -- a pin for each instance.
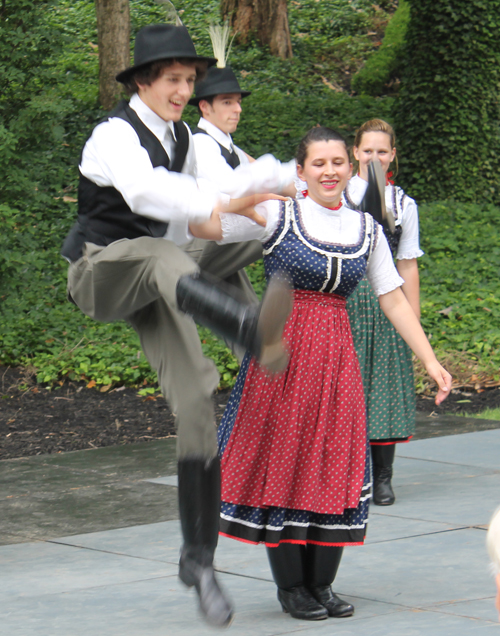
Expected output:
(287, 567)
(322, 564)
(383, 459)
(199, 509)
(257, 328)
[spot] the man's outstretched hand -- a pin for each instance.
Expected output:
(246, 206)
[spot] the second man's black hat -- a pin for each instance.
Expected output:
(218, 81)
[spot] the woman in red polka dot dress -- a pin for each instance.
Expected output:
(293, 446)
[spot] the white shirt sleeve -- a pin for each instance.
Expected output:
(190, 165)
(236, 229)
(113, 156)
(266, 174)
(409, 244)
(242, 156)
(381, 272)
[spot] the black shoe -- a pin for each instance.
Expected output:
(199, 509)
(383, 494)
(214, 605)
(256, 328)
(335, 606)
(383, 459)
(299, 603)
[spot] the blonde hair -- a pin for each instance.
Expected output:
(375, 125)
(493, 541)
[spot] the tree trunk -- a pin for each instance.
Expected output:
(267, 19)
(113, 29)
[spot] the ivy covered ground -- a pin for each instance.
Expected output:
(49, 104)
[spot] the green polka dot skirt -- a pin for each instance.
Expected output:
(386, 367)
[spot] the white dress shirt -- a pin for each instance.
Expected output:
(340, 227)
(409, 244)
(267, 174)
(113, 156)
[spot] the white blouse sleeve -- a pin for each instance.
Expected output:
(409, 245)
(237, 229)
(381, 272)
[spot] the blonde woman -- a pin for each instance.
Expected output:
(385, 359)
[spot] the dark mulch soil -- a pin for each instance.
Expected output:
(461, 402)
(35, 421)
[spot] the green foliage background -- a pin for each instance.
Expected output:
(448, 105)
(49, 104)
(383, 66)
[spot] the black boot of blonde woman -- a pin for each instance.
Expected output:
(383, 459)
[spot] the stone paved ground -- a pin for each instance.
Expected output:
(90, 543)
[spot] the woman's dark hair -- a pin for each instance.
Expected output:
(319, 133)
(148, 73)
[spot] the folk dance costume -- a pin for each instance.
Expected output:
(137, 195)
(293, 447)
(222, 163)
(385, 359)
(218, 155)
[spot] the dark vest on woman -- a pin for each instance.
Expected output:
(103, 214)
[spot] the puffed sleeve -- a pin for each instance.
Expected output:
(381, 272)
(409, 245)
(237, 229)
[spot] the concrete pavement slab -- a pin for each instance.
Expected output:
(414, 471)
(420, 571)
(68, 493)
(483, 609)
(384, 526)
(423, 570)
(169, 480)
(34, 569)
(440, 425)
(408, 623)
(481, 449)
(157, 541)
(468, 501)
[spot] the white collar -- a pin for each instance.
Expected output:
(154, 122)
(308, 204)
(223, 138)
(356, 179)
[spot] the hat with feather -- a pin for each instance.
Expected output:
(220, 79)
(163, 42)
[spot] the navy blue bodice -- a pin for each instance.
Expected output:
(398, 200)
(313, 265)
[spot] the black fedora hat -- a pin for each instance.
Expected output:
(162, 42)
(218, 81)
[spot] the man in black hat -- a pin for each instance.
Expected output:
(137, 196)
(218, 99)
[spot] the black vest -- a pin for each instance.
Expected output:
(231, 158)
(103, 214)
